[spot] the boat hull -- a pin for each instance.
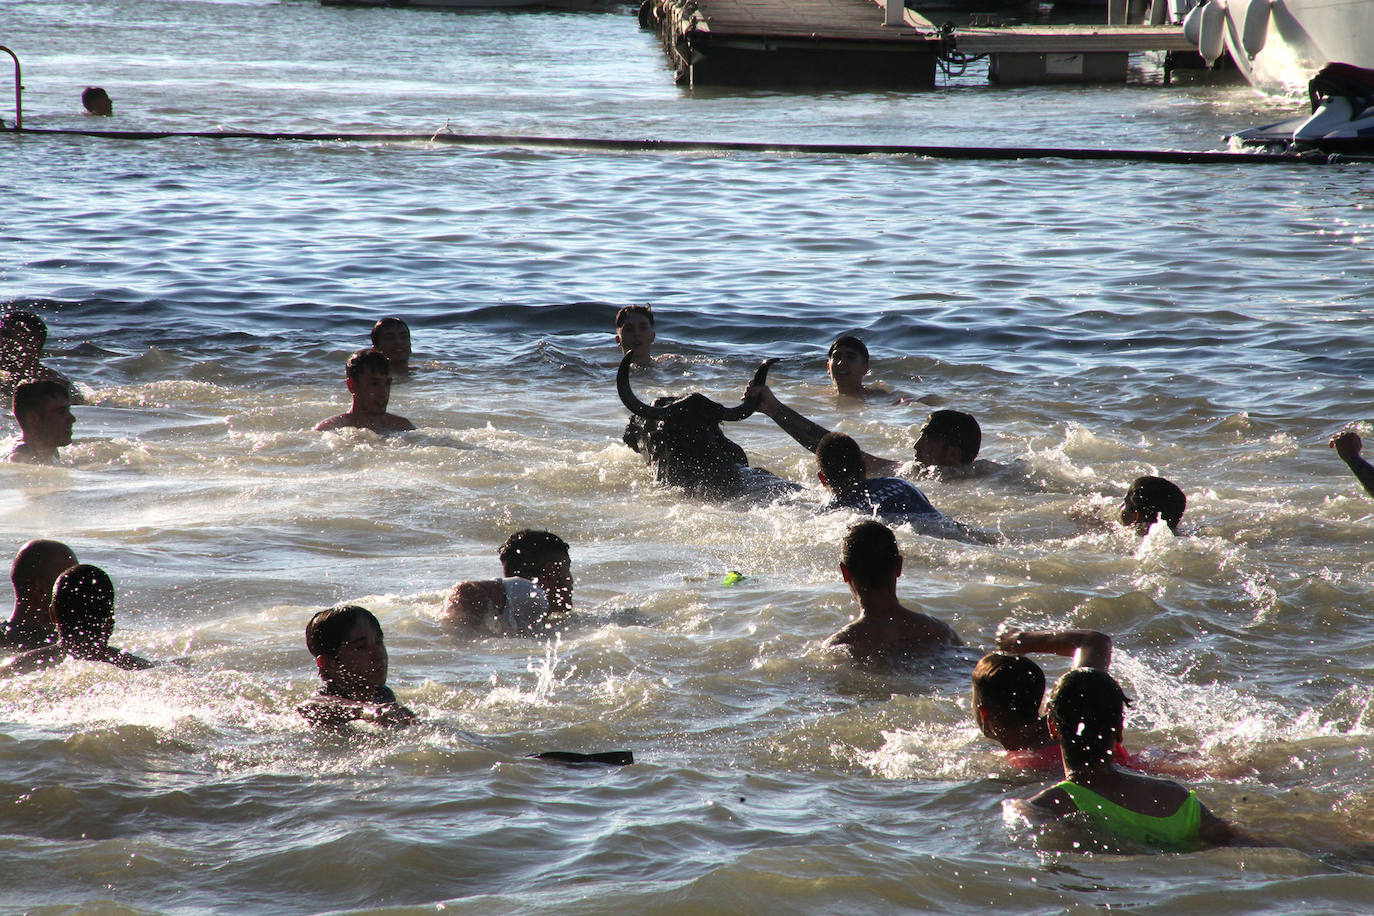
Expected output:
(1281, 44)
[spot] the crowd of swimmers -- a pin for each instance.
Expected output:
(65, 609)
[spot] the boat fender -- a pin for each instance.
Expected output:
(1192, 27)
(1211, 36)
(1254, 26)
(647, 19)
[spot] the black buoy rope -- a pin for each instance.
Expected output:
(1176, 157)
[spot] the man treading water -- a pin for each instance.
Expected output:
(368, 374)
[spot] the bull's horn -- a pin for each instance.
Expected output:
(749, 405)
(627, 395)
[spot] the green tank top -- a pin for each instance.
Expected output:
(1177, 831)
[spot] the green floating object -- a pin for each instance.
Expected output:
(733, 577)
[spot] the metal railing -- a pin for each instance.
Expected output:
(18, 91)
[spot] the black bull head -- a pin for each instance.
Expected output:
(681, 440)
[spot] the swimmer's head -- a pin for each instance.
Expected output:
(347, 643)
(36, 568)
(24, 329)
(542, 557)
(634, 331)
(869, 557)
(83, 608)
(950, 437)
(473, 603)
(1086, 711)
(846, 362)
(840, 460)
(369, 380)
(43, 409)
(1007, 690)
(391, 335)
(1150, 499)
(96, 101)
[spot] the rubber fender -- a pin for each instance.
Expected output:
(1254, 26)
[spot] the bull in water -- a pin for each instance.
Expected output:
(681, 440)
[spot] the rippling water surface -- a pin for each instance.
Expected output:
(1101, 320)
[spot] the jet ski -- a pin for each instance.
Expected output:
(1342, 118)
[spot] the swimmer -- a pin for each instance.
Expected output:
(83, 607)
(537, 587)
(1008, 689)
(43, 410)
(96, 101)
(948, 442)
(1086, 714)
(350, 655)
(1347, 445)
(391, 335)
(846, 362)
(842, 471)
(634, 333)
(368, 374)
(34, 571)
(544, 559)
(870, 564)
(1148, 500)
(22, 337)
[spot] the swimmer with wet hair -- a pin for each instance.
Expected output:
(368, 375)
(1348, 445)
(1008, 689)
(870, 564)
(544, 559)
(391, 335)
(43, 410)
(34, 571)
(634, 333)
(846, 362)
(1086, 713)
(83, 608)
(96, 101)
(841, 469)
(22, 338)
(1148, 500)
(350, 654)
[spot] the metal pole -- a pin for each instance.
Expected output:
(18, 91)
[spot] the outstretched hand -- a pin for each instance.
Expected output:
(767, 401)
(1347, 444)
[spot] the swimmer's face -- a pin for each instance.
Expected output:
(361, 661)
(371, 391)
(23, 342)
(636, 335)
(557, 581)
(935, 449)
(50, 422)
(394, 341)
(847, 368)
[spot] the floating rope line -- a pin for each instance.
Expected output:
(443, 137)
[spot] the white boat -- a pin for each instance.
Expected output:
(1283, 43)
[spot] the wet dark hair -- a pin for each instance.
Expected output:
(31, 559)
(382, 324)
(1009, 685)
(848, 340)
(328, 629)
(840, 460)
(369, 359)
(1087, 708)
(96, 100)
(12, 321)
(1156, 497)
(28, 396)
(958, 429)
(527, 550)
(83, 605)
(624, 314)
(870, 553)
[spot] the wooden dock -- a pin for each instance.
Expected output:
(845, 43)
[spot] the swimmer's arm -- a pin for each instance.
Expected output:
(33, 660)
(1216, 831)
(334, 422)
(1089, 648)
(335, 712)
(1051, 802)
(1347, 445)
(808, 432)
(126, 660)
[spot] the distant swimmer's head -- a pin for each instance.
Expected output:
(950, 437)
(634, 331)
(543, 558)
(846, 362)
(1086, 712)
(83, 607)
(1007, 690)
(1148, 500)
(474, 603)
(369, 381)
(841, 462)
(96, 101)
(36, 568)
(43, 410)
(869, 558)
(23, 330)
(349, 650)
(391, 335)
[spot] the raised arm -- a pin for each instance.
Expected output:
(808, 432)
(1089, 648)
(1347, 445)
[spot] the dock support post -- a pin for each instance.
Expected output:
(18, 91)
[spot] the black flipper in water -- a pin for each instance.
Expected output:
(605, 758)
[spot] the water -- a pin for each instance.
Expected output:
(1101, 320)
